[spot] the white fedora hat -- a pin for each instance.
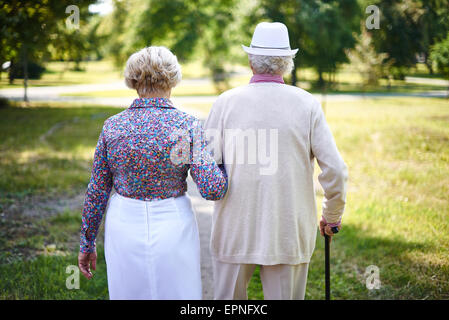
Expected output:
(270, 39)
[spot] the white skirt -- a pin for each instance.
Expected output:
(152, 249)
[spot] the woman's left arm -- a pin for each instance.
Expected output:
(210, 178)
(96, 198)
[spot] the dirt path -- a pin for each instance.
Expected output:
(203, 210)
(56, 94)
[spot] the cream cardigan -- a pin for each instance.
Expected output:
(271, 218)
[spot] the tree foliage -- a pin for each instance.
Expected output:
(322, 30)
(186, 27)
(29, 27)
(440, 55)
(370, 64)
(409, 28)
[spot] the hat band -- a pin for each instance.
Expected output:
(284, 48)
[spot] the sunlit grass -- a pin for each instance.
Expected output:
(62, 73)
(59, 73)
(203, 88)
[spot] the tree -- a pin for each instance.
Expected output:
(29, 27)
(118, 29)
(434, 23)
(329, 28)
(78, 44)
(440, 55)
(366, 60)
(321, 30)
(186, 27)
(409, 28)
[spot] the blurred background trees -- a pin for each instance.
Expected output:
(440, 55)
(408, 30)
(30, 29)
(327, 33)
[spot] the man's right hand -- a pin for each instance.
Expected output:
(325, 228)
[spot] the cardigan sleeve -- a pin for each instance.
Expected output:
(214, 132)
(334, 172)
(96, 198)
(209, 177)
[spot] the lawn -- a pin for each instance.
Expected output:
(59, 73)
(346, 83)
(397, 215)
(45, 152)
(62, 74)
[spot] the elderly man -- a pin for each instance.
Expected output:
(268, 216)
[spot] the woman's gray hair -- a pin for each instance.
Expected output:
(152, 69)
(271, 64)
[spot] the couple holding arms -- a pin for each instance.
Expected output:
(261, 217)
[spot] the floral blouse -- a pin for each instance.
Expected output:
(145, 153)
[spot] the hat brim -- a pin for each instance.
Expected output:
(269, 52)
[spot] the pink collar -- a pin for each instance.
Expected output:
(266, 77)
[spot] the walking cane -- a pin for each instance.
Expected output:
(327, 271)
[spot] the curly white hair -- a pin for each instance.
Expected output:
(152, 69)
(271, 64)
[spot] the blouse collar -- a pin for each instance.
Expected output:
(266, 77)
(152, 102)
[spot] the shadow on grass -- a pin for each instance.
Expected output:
(352, 251)
(44, 276)
(46, 148)
(402, 276)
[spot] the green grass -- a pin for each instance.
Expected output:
(349, 80)
(203, 89)
(397, 214)
(62, 73)
(35, 258)
(47, 149)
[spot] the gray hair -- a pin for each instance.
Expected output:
(152, 69)
(271, 64)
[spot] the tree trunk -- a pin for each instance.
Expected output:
(320, 79)
(294, 78)
(428, 63)
(10, 73)
(25, 76)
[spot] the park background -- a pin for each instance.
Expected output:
(383, 89)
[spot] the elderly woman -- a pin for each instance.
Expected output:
(268, 216)
(152, 245)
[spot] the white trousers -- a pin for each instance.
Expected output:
(279, 282)
(152, 249)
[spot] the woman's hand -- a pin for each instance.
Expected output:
(84, 261)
